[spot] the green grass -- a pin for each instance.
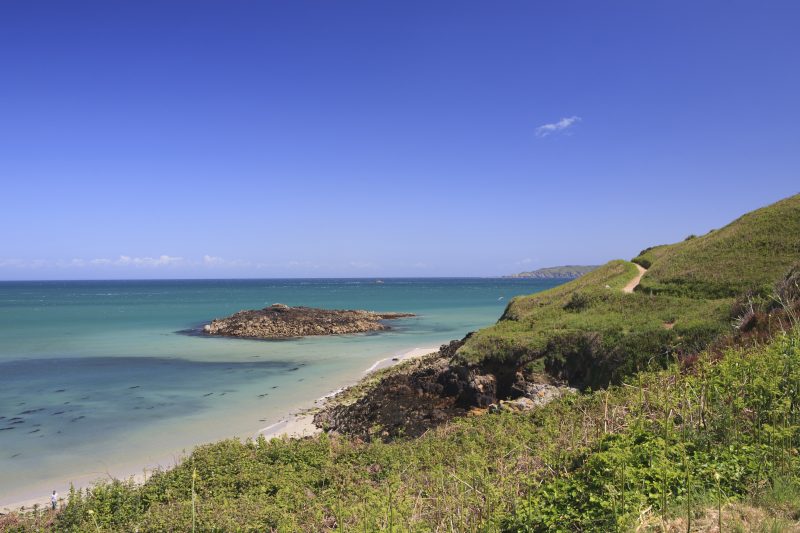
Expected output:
(590, 333)
(728, 431)
(748, 254)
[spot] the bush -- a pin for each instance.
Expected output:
(788, 288)
(721, 433)
(578, 302)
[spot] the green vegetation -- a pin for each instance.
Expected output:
(698, 430)
(590, 333)
(748, 254)
(730, 430)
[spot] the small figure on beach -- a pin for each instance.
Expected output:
(54, 500)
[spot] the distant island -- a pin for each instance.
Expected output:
(279, 321)
(563, 272)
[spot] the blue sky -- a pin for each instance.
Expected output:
(144, 139)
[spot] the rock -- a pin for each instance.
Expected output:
(399, 405)
(520, 404)
(410, 401)
(481, 390)
(542, 394)
(536, 395)
(280, 321)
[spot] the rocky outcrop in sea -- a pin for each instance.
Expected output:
(280, 321)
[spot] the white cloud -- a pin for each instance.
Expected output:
(143, 262)
(301, 264)
(147, 262)
(214, 261)
(121, 261)
(556, 127)
(21, 263)
(61, 263)
(360, 264)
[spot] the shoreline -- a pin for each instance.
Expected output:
(300, 424)
(296, 424)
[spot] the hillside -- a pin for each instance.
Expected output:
(748, 254)
(590, 334)
(688, 419)
(557, 272)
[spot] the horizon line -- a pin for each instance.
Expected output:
(379, 278)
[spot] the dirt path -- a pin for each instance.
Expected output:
(635, 281)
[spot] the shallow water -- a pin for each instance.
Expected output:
(97, 377)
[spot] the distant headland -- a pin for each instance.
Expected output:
(562, 272)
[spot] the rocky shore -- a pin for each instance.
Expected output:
(413, 398)
(280, 321)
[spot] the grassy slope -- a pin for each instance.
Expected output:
(692, 442)
(750, 253)
(591, 333)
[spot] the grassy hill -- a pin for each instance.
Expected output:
(748, 254)
(589, 333)
(698, 429)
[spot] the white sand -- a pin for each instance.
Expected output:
(410, 354)
(294, 425)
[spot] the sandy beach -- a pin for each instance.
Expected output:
(297, 424)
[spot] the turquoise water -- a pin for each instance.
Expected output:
(99, 377)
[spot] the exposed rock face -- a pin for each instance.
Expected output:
(401, 404)
(280, 321)
(433, 391)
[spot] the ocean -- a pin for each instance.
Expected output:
(106, 377)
